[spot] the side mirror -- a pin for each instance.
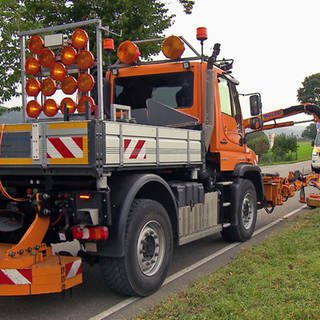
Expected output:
(255, 105)
(256, 123)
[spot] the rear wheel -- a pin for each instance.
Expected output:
(245, 210)
(148, 251)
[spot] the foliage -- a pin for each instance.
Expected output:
(258, 142)
(310, 90)
(138, 19)
(284, 144)
(303, 154)
(309, 132)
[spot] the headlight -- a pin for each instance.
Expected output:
(314, 153)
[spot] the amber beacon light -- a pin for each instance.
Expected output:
(58, 71)
(32, 66)
(68, 55)
(128, 52)
(50, 108)
(69, 104)
(35, 44)
(202, 34)
(33, 109)
(69, 85)
(32, 87)
(172, 47)
(79, 38)
(50, 62)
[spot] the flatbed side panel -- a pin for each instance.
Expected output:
(15, 146)
(66, 143)
(133, 144)
(40, 145)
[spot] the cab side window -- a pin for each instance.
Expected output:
(224, 93)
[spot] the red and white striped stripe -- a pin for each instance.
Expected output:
(15, 276)
(73, 269)
(134, 149)
(64, 147)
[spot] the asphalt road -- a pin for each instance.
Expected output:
(92, 298)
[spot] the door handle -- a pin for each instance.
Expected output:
(223, 141)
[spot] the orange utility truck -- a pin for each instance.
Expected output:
(118, 164)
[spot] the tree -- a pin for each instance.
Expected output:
(310, 90)
(259, 142)
(284, 144)
(138, 19)
(309, 132)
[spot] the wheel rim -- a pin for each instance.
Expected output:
(151, 248)
(247, 211)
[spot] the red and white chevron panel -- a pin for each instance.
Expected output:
(15, 276)
(64, 147)
(73, 269)
(134, 149)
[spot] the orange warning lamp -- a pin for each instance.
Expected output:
(33, 109)
(83, 102)
(68, 55)
(85, 59)
(69, 104)
(79, 38)
(35, 44)
(48, 87)
(58, 71)
(47, 58)
(108, 44)
(50, 108)
(32, 66)
(69, 85)
(172, 47)
(128, 52)
(85, 82)
(202, 34)
(32, 87)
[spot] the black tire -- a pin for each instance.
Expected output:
(246, 210)
(147, 253)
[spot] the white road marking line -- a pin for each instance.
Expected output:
(184, 271)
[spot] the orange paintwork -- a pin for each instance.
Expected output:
(48, 271)
(48, 276)
(278, 189)
(225, 137)
(33, 236)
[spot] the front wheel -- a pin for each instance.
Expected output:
(148, 251)
(244, 206)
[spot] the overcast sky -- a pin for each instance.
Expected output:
(275, 44)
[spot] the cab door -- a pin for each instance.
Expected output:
(231, 144)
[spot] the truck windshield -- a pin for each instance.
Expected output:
(174, 90)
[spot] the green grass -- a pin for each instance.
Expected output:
(277, 279)
(303, 154)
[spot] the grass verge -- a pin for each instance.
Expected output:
(303, 154)
(277, 279)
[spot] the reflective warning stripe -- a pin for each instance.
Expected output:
(134, 149)
(73, 269)
(15, 276)
(64, 147)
